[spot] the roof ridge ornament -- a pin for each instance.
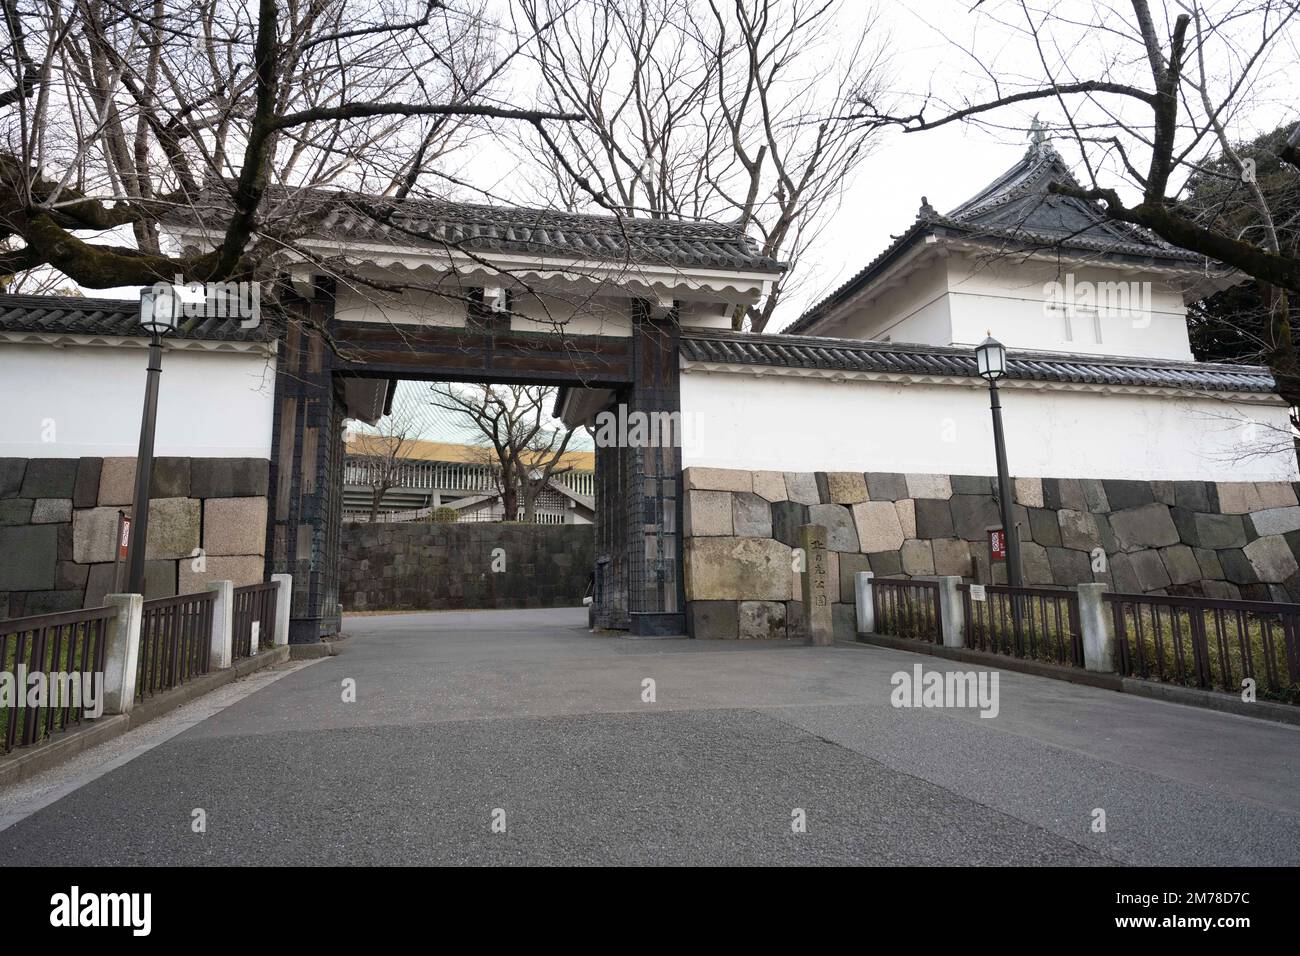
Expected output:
(1038, 138)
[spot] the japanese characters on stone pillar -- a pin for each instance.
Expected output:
(816, 584)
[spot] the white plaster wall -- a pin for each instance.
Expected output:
(406, 308)
(796, 424)
(1010, 299)
(87, 400)
(575, 313)
(914, 310)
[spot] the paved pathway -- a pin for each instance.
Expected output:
(461, 714)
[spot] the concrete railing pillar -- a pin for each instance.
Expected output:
(283, 599)
(865, 602)
(1098, 629)
(122, 652)
(223, 624)
(952, 611)
(816, 595)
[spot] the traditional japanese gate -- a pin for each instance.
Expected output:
(638, 499)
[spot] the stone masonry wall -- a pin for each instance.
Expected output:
(58, 527)
(1212, 539)
(436, 566)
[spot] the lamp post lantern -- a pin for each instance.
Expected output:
(159, 307)
(991, 361)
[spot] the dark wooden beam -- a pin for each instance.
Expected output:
(475, 355)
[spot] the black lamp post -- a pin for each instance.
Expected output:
(991, 360)
(159, 307)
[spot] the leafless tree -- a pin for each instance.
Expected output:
(116, 115)
(1146, 100)
(514, 424)
(704, 109)
(381, 452)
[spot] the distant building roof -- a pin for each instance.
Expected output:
(363, 443)
(1018, 211)
(855, 355)
(74, 315)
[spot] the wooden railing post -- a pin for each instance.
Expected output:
(283, 597)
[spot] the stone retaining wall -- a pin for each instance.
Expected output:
(1212, 539)
(436, 566)
(58, 527)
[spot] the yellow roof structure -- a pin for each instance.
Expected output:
(358, 443)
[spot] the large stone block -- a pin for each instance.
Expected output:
(49, 478)
(933, 518)
(1272, 559)
(15, 511)
(801, 486)
(1208, 562)
(173, 531)
(1028, 492)
(713, 620)
(1181, 564)
(972, 515)
(1237, 567)
(1034, 562)
(737, 569)
(841, 532)
(787, 517)
(1239, 497)
(1196, 496)
(11, 477)
(1078, 530)
(85, 493)
(708, 513)
(159, 581)
(70, 576)
(1124, 494)
(1043, 527)
(849, 566)
(952, 556)
(52, 511)
(27, 557)
(233, 477)
(236, 526)
(1069, 567)
(1150, 571)
(170, 479)
(1163, 492)
(1094, 495)
(972, 485)
(1276, 520)
(846, 487)
(1276, 494)
(761, 621)
(770, 485)
(928, 486)
(1146, 526)
(886, 485)
(886, 564)
(242, 569)
(718, 479)
(918, 557)
(878, 527)
(906, 509)
(751, 515)
(1219, 531)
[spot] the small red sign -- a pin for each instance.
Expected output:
(124, 537)
(998, 545)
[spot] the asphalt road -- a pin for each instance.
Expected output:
(524, 717)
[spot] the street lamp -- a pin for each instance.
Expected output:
(159, 307)
(991, 361)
